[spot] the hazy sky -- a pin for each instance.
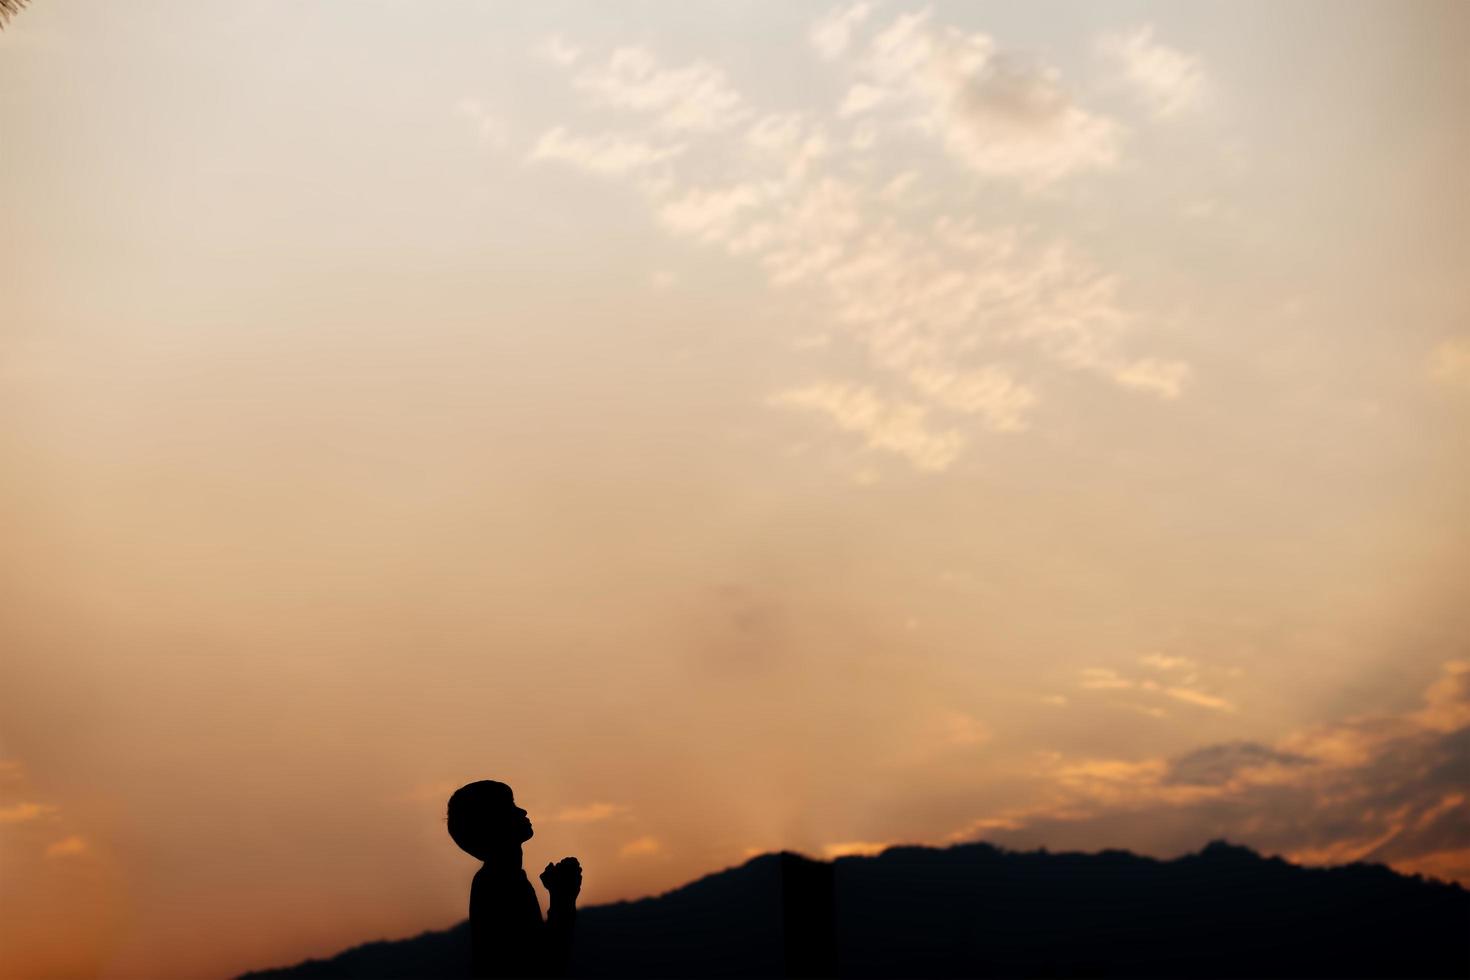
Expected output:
(735, 425)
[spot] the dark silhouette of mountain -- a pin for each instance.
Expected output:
(974, 910)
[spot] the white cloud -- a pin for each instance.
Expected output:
(709, 214)
(987, 391)
(695, 97)
(949, 314)
(832, 33)
(999, 114)
(1168, 81)
(860, 98)
(556, 50)
(1164, 378)
(608, 155)
(491, 130)
(896, 427)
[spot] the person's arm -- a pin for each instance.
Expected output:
(563, 881)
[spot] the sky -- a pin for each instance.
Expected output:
(737, 426)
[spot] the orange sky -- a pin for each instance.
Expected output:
(736, 426)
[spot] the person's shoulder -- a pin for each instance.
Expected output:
(481, 878)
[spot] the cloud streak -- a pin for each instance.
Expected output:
(957, 320)
(997, 113)
(1387, 788)
(1167, 81)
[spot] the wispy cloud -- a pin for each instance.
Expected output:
(694, 97)
(608, 154)
(25, 812)
(1449, 362)
(832, 33)
(1191, 695)
(896, 427)
(72, 846)
(645, 846)
(490, 129)
(557, 50)
(1387, 787)
(1105, 679)
(949, 312)
(1000, 114)
(1166, 80)
(1161, 661)
(1186, 690)
(591, 812)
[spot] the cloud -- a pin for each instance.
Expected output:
(641, 847)
(1160, 661)
(25, 812)
(1190, 695)
(961, 729)
(1167, 81)
(709, 214)
(591, 813)
(72, 846)
(895, 427)
(1108, 679)
(607, 155)
(832, 33)
(1000, 114)
(1449, 363)
(1388, 788)
(1447, 701)
(1164, 378)
(1215, 765)
(858, 848)
(558, 51)
(692, 98)
(490, 129)
(1105, 679)
(951, 316)
(988, 392)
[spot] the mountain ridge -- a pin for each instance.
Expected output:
(979, 910)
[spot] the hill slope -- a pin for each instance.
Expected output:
(975, 910)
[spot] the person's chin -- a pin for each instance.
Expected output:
(530, 832)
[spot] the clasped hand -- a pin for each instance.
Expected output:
(563, 879)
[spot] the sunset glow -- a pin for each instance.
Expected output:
(736, 426)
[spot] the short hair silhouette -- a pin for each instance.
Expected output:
(508, 937)
(483, 817)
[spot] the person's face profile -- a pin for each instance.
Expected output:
(511, 822)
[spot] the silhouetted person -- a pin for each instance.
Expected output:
(507, 934)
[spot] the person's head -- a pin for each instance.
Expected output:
(484, 819)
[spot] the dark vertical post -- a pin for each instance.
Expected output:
(808, 917)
